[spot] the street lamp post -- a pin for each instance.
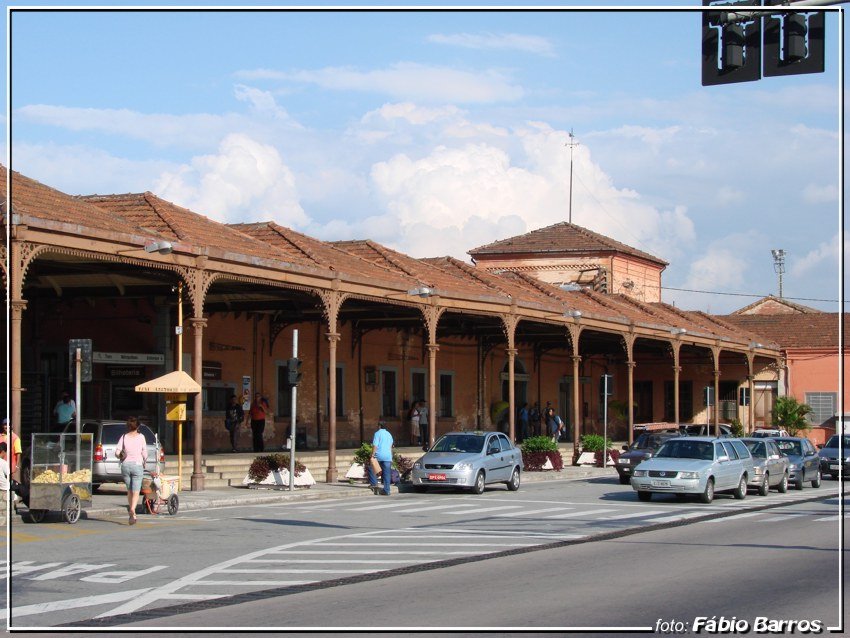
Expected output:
(779, 265)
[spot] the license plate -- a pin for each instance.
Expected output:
(834, 466)
(436, 477)
(657, 483)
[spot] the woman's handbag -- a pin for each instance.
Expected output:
(123, 453)
(376, 467)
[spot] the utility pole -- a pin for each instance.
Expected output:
(572, 143)
(779, 265)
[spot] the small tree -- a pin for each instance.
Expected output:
(790, 414)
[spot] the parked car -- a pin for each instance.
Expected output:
(641, 449)
(105, 435)
(469, 460)
(770, 468)
(803, 460)
(832, 458)
(691, 465)
(769, 432)
(705, 430)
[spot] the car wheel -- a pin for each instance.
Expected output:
(624, 480)
(478, 487)
(644, 496)
(816, 482)
(513, 484)
(783, 484)
(741, 492)
(799, 484)
(765, 485)
(708, 494)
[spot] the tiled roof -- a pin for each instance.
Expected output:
(182, 225)
(302, 248)
(774, 305)
(34, 199)
(561, 239)
(810, 330)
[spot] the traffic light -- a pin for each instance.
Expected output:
(731, 51)
(293, 366)
(793, 43)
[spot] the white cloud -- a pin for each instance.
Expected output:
(508, 41)
(820, 193)
(826, 254)
(406, 81)
(245, 181)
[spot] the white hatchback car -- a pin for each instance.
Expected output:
(695, 465)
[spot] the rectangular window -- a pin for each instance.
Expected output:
(284, 392)
(340, 407)
(686, 401)
(823, 406)
(389, 399)
(446, 394)
(216, 399)
(418, 386)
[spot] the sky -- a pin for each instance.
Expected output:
(438, 131)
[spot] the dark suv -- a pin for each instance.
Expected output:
(641, 449)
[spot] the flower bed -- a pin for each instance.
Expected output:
(541, 453)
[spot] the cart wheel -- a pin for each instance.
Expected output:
(71, 508)
(36, 516)
(152, 505)
(173, 504)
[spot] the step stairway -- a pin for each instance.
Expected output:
(228, 469)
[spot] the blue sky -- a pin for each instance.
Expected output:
(435, 132)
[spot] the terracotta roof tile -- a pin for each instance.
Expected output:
(774, 305)
(562, 238)
(809, 330)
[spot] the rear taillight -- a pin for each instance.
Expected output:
(98, 453)
(161, 455)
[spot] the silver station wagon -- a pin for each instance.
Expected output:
(692, 465)
(469, 460)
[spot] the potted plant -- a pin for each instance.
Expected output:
(599, 445)
(537, 451)
(273, 469)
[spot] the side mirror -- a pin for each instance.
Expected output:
(722, 459)
(625, 448)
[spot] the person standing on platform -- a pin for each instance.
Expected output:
(257, 414)
(233, 418)
(424, 435)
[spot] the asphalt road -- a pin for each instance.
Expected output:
(408, 559)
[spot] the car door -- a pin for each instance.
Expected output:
(494, 459)
(510, 453)
(775, 463)
(730, 468)
(810, 460)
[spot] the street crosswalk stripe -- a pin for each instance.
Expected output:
(631, 515)
(314, 561)
(681, 516)
(369, 552)
(832, 518)
(382, 506)
(430, 508)
(430, 544)
(726, 519)
(326, 506)
(533, 512)
(577, 514)
(297, 571)
(257, 583)
(481, 510)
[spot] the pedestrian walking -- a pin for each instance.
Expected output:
(534, 418)
(233, 418)
(65, 411)
(523, 422)
(13, 447)
(382, 452)
(424, 435)
(257, 414)
(132, 452)
(4, 484)
(551, 423)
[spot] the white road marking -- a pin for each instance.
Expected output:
(533, 512)
(76, 603)
(430, 508)
(676, 517)
(631, 515)
(320, 561)
(299, 571)
(258, 583)
(481, 510)
(577, 514)
(382, 506)
(727, 519)
(432, 544)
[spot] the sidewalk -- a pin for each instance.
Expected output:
(111, 500)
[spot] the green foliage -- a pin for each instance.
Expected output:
(594, 443)
(538, 444)
(790, 414)
(363, 453)
(262, 466)
(737, 427)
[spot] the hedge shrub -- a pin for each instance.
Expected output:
(262, 466)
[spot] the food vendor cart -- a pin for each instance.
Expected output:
(61, 475)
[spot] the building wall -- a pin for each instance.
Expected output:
(816, 370)
(635, 278)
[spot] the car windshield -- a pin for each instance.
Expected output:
(756, 448)
(459, 443)
(648, 441)
(678, 449)
(789, 447)
(833, 441)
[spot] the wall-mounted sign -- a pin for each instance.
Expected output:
(129, 357)
(125, 372)
(211, 370)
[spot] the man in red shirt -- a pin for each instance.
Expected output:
(257, 414)
(13, 447)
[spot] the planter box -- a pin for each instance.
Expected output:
(280, 478)
(356, 471)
